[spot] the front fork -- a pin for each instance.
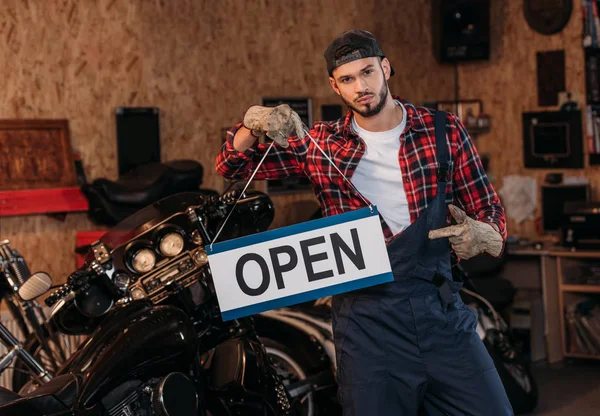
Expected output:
(15, 349)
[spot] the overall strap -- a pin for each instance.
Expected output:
(441, 148)
(443, 176)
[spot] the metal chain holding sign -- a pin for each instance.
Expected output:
(307, 133)
(339, 171)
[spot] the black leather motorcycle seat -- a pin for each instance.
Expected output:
(185, 169)
(7, 396)
(56, 396)
(148, 183)
(139, 187)
(64, 387)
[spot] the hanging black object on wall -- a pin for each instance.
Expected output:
(461, 30)
(550, 76)
(547, 17)
(553, 140)
(138, 137)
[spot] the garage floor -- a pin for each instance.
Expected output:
(568, 389)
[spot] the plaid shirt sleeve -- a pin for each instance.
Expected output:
(473, 192)
(279, 163)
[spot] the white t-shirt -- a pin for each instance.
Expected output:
(378, 176)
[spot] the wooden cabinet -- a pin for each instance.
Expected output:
(578, 277)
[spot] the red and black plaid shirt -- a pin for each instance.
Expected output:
(468, 188)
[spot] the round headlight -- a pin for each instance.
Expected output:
(143, 260)
(171, 244)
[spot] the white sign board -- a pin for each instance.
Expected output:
(299, 263)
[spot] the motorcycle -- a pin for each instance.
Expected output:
(299, 340)
(157, 344)
(43, 350)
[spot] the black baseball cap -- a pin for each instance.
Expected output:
(350, 46)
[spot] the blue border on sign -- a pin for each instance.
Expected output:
(306, 296)
(291, 230)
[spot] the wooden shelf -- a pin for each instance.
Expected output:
(563, 289)
(581, 288)
(42, 201)
(579, 355)
(579, 254)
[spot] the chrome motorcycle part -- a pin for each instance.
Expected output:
(196, 238)
(175, 395)
(35, 286)
(16, 349)
(289, 370)
(97, 268)
(171, 244)
(143, 260)
(122, 281)
(14, 263)
(100, 252)
(137, 293)
(61, 304)
(200, 257)
(154, 286)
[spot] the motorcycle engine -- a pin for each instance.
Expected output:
(172, 395)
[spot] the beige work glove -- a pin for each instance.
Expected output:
(470, 237)
(278, 123)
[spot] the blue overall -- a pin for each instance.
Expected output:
(410, 347)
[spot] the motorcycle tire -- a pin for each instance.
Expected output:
(518, 382)
(291, 367)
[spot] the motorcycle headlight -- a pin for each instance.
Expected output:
(171, 244)
(143, 260)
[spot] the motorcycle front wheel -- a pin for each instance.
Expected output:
(291, 369)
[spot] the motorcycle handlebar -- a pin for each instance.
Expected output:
(75, 281)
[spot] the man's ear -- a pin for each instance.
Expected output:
(334, 85)
(387, 68)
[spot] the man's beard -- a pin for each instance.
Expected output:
(369, 110)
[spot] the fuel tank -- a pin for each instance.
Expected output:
(138, 340)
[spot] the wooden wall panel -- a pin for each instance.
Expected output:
(202, 62)
(405, 28)
(507, 84)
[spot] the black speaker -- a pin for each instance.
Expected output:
(461, 30)
(138, 137)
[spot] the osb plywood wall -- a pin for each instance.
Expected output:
(203, 63)
(507, 84)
